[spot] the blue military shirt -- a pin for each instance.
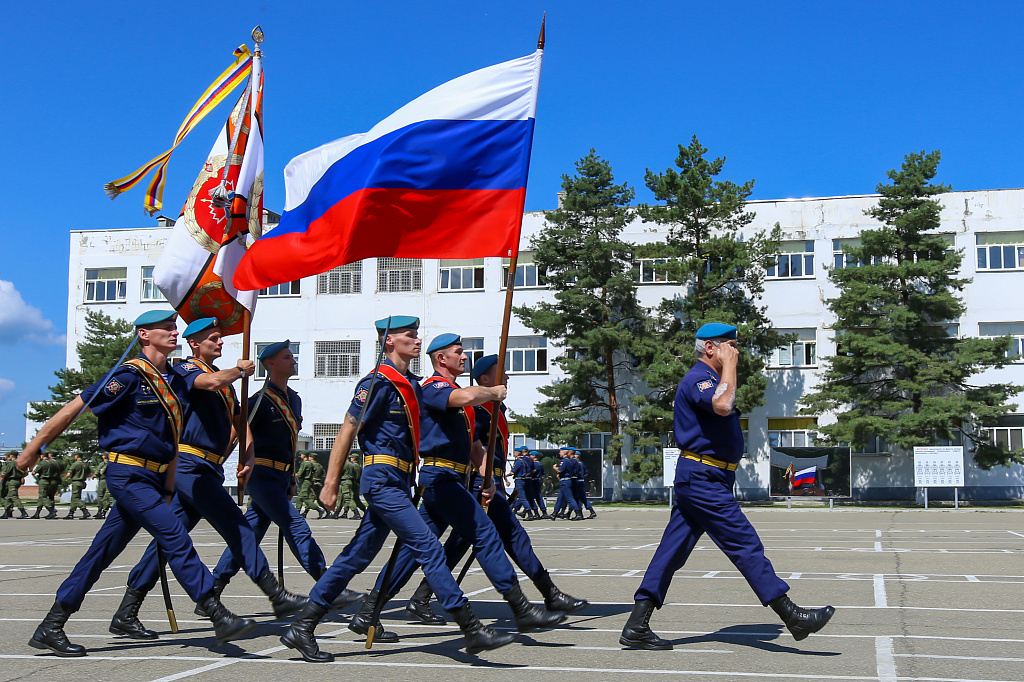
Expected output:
(443, 430)
(207, 424)
(523, 468)
(131, 419)
(385, 428)
(565, 468)
(582, 469)
(271, 436)
(697, 427)
(538, 469)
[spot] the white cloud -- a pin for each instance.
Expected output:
(20, 321)
(6, 386)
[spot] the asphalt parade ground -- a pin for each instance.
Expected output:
(933, 595)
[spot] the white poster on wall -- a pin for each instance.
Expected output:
(669, 457)
(939, 466)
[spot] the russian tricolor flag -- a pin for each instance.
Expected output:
(804, 477)
(442, 177)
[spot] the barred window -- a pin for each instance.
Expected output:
(324, 435)
(415, 365)
(344, 279)
(399, 274)
(461, 274)
(105, 285)
(336, 358)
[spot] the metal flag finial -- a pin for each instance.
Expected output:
(257, 34)
(540, 38)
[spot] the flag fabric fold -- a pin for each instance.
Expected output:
(444, 176)
(195, 270)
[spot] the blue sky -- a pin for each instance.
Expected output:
(809, 99)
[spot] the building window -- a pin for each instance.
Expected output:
(528, 275)
(1015, 330)
(261, 372)
(396, 275)
(175, 355)
(106, 285)
(474, 348)
(799, 353)
(336, 358)
(415, 365)
(745, 428)
(150, 292)
(526, 355)
(841, 259)
(597, 441)
(1001, 250)
(344, 279)
(792, 432)
(324, 435)
(654, 270)
(876, 445)
(286, 289)
(795, 259)
(461, 274)
(1008, 433)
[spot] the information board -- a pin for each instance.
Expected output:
(669, 457)
(939, 466)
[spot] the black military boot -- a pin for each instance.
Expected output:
(305, 513)
(527, 616)
(360, 623)
(545, 517)
(7, 513)
(52, 514)
(285, 603)
(38, 509)
(355, 515)
(637, 633)
(101, 514)
(86, 513)
(344, 514)
(419, 606)
(555, 599)
(226, 625)
(50, 634)
(126, 621)
(218, 589)
(300, 635)
(593, 514)
(800, 622)
(24, 514)
(346, 598)
(319, 513)
(71, 514)
(478, 636)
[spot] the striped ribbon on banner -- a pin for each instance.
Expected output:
(214, 95)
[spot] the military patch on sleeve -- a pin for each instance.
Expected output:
(438, 385)
(113, 387)
(704, 385)
(189, 366)
(361, 394)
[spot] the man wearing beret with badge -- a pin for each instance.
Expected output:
(707, 430)
(212, 420)
(140, 415)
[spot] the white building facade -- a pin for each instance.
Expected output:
(329, 320)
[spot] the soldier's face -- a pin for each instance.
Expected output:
(407, 343)
(284, 361)
(454, 359)
(162, 336)
(208, 345)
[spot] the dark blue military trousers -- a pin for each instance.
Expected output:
(140, 504)
(386, 489)
(705, 504)
(200, 494)
(523, 499)
(535, 493)
(448, 504)
(565, 497)
(268, 494)
(579, 493)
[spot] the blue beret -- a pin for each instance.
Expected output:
(522, 448)
(200, 325)
(273, 349)
(534, 452)
(397, 322)
(569, 448)
(483, 365)
(154, 316)
(716, 330)
(443, 341)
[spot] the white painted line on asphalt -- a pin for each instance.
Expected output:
(486, 589)
(963, 658)
(628, 574)
(885, 664)
(972, 578)
(878, 547)
(881, 602)
(1013, 532)
(878, 533)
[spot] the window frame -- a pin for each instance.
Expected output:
(445, 274)
(156, 295)
(415, 275)
(295, 290)
(342, 363)
(355, 280)
(261, 371)
(120, 285)
(805, 258)
(524, 352)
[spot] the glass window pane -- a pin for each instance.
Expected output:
(531, 275)
(771, 271)
(996, 257)
(808, 265)
(530, 361)
(1015, 438)
(478, 278)
(1008, 257)
(795, 264)
(981, 258)
(444, 282)
(519, 277)
(542, 360)
(783, 266)
(839, 261)
(1001, 439)
(785, 356)
(1020, 256)
(517, 361)
(811, 353)
(456, 278)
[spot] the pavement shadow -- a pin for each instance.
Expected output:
(449, 647)
(755, 636)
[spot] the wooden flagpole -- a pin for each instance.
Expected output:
(243, 410)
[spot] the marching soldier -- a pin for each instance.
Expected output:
(140, 419)
(707, 429)
(536, 486)
(566, 471)
(514, 538)
(77, 473)
(448, 443)
(389, 435)
(304, 479)
(350, 476)
(318, 486)
(12, 477)
(522, 470)
(212, 420)
(579, 483)
(103, 498)
(46, 469)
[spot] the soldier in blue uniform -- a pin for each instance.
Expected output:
(707, 430)
(513, 536)
(579, 485)
(212, 419)
(522, 471)
(450, 448)
(536, 486)
(275, 428)
(139, 411)
(389, 439)
(567, 470)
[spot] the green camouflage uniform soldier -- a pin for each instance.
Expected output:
(77, 473)
(304, 478)
(12, 478)
(319, 476)
(350, 476)
(104, 500)
(46, 469)
(57, 481)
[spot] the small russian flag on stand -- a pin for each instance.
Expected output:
(805, 477)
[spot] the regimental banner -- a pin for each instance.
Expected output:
(939, 466)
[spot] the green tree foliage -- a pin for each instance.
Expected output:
(898, 373)
(721, 273)
(104, 342)
(595, 316)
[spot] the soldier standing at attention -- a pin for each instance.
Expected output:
(44, 472)
(12, 478)
(707, 429)
(103, 498)
(139, 412)
(77, 473)
(350, 476)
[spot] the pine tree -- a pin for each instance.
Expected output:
(898, 373)
(595, 317)
(721, 272)
(104, 342)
